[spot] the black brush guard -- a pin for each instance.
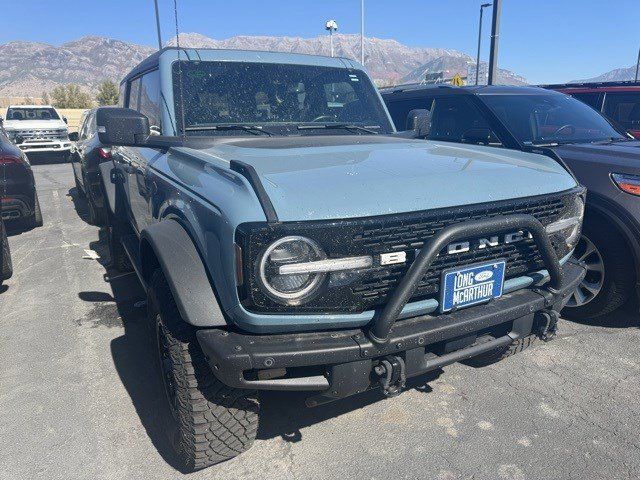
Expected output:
(379, 331)
(343, 362)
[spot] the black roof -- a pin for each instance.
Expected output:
(468, 90)
(621, 83)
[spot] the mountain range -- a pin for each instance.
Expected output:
(615, 75)
(28, 69)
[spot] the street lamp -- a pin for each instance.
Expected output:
(362, 32)
(482, 7)
(332, 26)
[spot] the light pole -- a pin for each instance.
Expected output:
(637, 66)
(332, 26)
(158, 25)
(362, 32)
(495, 34)
(482, 7)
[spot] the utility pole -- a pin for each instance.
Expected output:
(331, 26)
(495, 33)
(482, 7)
(637, 65)
(158, 25)
(362, 32)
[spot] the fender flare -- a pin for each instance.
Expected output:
(184, 270)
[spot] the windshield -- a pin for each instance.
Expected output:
(32, 114)
(550, 119)
(278, 97)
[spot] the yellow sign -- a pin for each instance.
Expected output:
(457, 81)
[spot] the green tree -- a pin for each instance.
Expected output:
(70, 96)
(107, 93)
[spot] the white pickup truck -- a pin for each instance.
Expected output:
(38, 129)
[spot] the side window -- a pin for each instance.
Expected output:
(400, 109)
(123, 91)
(623, 108)
(134, 94)
(83, 134)
(591, 99)
(149, 103)
(456, 119)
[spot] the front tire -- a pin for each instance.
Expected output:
(35, 220)
(209, 422)
(610, 274)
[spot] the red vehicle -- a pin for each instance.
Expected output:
(620, 101)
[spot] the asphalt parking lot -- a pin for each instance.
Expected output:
(79, 398)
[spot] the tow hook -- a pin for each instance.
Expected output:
(548, 324)
(393, 375)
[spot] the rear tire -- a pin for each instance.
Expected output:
(6, 267)
(35, 220)
(79, 190)
(610, 272)
(119, 258)
(209, 422)
(494, 356)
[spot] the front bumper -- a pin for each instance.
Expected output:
(48, 146)
(339, 363)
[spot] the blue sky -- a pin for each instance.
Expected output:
(544, 40)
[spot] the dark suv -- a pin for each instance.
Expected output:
(620, 101)
(604, 158)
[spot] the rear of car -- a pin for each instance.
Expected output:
(619, 101)
(17, 186)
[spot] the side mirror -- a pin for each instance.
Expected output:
(419, 120)
(121, 126)
(64, 119)
(73, 136)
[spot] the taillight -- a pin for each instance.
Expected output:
(6, 159)
(627, 183)
(104, 152)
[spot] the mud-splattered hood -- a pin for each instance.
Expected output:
(332, 177)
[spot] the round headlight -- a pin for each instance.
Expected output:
(293, 288)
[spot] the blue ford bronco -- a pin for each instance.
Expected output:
(289, 239)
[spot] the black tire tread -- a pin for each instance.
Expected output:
(6, 269)
(619, 272)
(216, 422)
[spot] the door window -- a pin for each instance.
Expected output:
(150, 99)
(400, 109)
(134, 94)
(455, 119)
(624, 108)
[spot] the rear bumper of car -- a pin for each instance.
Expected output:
(337, 364)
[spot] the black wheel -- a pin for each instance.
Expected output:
(35, 220)
(79, 190)
(6, 267)
(119, 259)
(610, 274)
(208, 422)
(97, 215)
(498, 354)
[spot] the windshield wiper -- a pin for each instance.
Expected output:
(254, 129)
(339, 126)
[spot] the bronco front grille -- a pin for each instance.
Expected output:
(403, 232)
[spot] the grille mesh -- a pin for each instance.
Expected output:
(521, 257)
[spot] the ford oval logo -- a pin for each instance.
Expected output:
(484, 276)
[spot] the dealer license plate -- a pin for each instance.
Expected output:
(472, 284)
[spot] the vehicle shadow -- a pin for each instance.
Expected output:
(284, 414)
(79, 204)
(627, 316)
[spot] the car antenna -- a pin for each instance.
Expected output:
(175, 15)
